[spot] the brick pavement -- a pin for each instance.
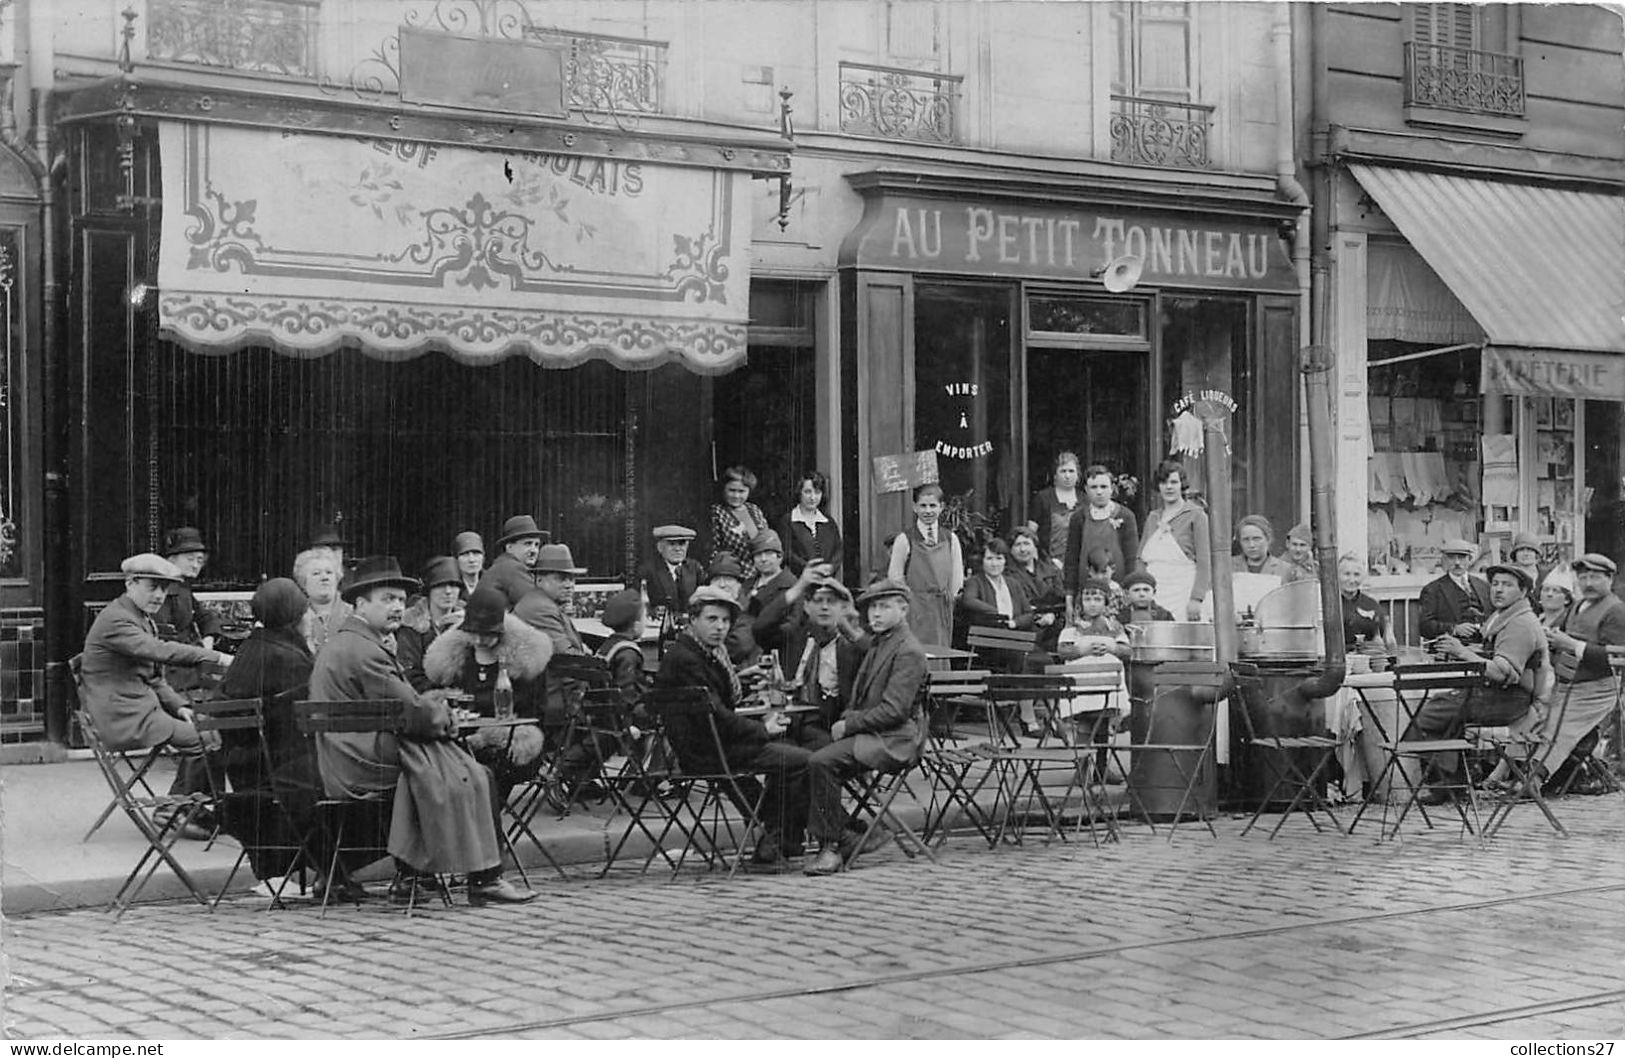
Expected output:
(1308, 935)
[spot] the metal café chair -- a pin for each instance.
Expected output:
(1413, 685)
(1094, 720)
(1590, 762)
(641, 781)
(1279, 754)
(948, 764)
(588, 672)
(874, 792)
(1191, 761)
(1522, 747)
(337, 818)
(1020, 769)
(130, 765)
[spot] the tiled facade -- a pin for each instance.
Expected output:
(22, 674)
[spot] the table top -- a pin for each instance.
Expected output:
(1369, 679)
(763, 710)
(483, 723)
(592, 626)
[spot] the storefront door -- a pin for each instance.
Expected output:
(1089, 402)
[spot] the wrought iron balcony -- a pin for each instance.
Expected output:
(1161, 132)
(254, 36)
(623, 77)
(900, 104)
(1475, 82)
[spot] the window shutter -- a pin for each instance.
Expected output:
(1154, 51)
(913, 33)
(1448, 25)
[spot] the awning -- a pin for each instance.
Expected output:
(307, 243)
(1540, 268)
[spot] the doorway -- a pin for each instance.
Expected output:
(1091, 402)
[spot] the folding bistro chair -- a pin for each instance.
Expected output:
(947, 764)
(130, 765)
(873, 793)
(247, 714)
(1280, 755)
(1413, 685)
(336, 817)
(1004, 651)
(1094, 717)
(637, 783)
(706, 828)
(592, 672)
(1590, 763)
(1020, 769)
(1189, 761)
(1521, 746)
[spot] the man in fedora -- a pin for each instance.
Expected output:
(469, 550)
(882, 728)
(181, 617)
(698, 658)
(543, 609)
(1457, 602)
(1513, 652)
(671, 577)
(510, 572)
(121, 668)
(444, 817)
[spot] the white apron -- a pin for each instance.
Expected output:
(1175, 571)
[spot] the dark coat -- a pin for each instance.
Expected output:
(125, 691)
(886, 712)
(449, 662)
(783, 627)
(273, 665)
(687, 664)
(763, 594)
(544, 615)
(1085, 534)
(1601, 626)
(1046, 505)
(509, 576)
(663, 591)
(803, 545)
(981, 606)
(1443, 605)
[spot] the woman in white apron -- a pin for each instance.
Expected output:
(1174, 548)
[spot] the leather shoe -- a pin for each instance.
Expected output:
(406, 891)
(349, 891)
(194, 832)
(1431, 795)
(828, 861)
(498, 891)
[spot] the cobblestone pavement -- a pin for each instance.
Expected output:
(1309, 935)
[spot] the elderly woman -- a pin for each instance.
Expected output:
(491, 648)
(1052, 508)
(270, 797)
(317, 573)
(440, 608)
(1174, 548)
(736, 521)
(1365, 623)
(1255, 537)
(808, 533)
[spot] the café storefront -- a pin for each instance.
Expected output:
(977, 324)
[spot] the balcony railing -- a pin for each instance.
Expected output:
(254, 36)
(900, 104)
(623, 77)
(1161, 132)
(1476, 82)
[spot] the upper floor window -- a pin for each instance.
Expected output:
(1157, 118)
(1461, 58)
(902, 95)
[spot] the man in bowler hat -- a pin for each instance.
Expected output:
(510, 572)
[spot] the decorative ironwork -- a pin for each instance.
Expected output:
(256, 36)
(787, 129)
(1475, 82)
(900, 104)
(607, 78)
(1161, 132)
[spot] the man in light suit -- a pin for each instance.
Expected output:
(125, 692)
(1456, 603)
(883, 728)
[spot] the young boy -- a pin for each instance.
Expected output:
(623, 650)
(1094, 632)
(1101, 569)
(926, 556)
(1142, 608)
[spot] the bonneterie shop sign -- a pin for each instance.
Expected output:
(932, 235)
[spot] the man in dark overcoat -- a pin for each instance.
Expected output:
(511, 572)
(1457, 603)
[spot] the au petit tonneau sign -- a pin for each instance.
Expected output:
(1039, 242)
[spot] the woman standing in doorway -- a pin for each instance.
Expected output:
(736, 521)
(1174, 549)
(1053, 507)
(810, 535)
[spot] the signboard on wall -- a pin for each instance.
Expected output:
(1023, 240)
(904, 471)
(1554, 373)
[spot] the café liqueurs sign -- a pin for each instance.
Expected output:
(924, 235)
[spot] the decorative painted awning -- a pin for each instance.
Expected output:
(310, 243)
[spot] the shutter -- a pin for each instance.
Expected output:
(1447, 25)
(1154, 51)
(913, 33)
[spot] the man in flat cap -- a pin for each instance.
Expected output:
(671, 577)
(510, 572)
(1595, 622)
(821, 645)
(1513, 653)
(883, 726)
(181, 617)
(1457, 602)
(126, 696)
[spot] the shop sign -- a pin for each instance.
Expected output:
(904, 471)
(1551, 373)
(927, 235)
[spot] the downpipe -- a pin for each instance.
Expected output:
(1316, 362)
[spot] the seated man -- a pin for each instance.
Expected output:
(699, 658)
(445, 818)
(671, 577)
(1456, 602)
(883, 728)
(726, 574)
(820, 645)
(125, 693)
(511, 572)
(1514, 653)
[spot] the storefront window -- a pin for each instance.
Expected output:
(1095, 317)
(1603, 495)
(1204, 347)
(962, 394)
(11, 411)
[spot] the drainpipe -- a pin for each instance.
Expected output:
(1316, 363)
(1216, 468)
(1287, 184)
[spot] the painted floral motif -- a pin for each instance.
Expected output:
(700, 269)
(222, 232)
